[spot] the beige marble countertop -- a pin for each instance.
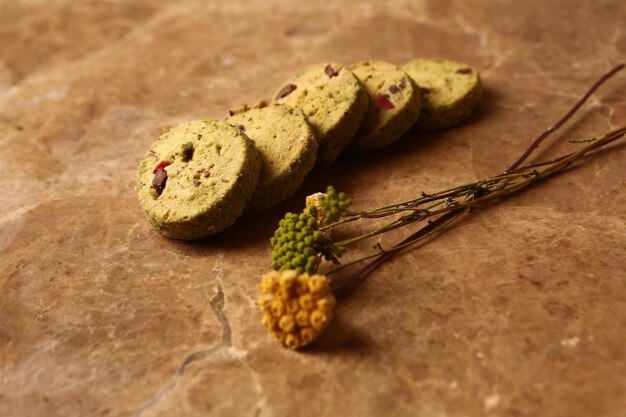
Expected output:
(518, 310)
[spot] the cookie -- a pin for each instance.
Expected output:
(333, 101)
(450, 92)
(394, 104)
(197, 178)
(286, 144)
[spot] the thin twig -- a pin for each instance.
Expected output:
(344, 284)
(565, 118)
(614, 137)
(556, 165)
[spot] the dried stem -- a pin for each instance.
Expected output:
(535, 144)
(514, 179)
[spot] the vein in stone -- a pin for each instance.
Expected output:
(162, 393)
(217, 304)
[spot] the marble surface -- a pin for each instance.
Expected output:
(517, 310)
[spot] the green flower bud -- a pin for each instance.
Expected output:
(298, 244)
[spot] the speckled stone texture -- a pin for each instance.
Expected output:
(517, 310)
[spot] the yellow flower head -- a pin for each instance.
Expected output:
(327, 207)
(313, 207)
(296, 307)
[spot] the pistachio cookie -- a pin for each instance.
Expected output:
(197, 178)
(394, 104)
(450, 92)
(286, 144)
(333, 101)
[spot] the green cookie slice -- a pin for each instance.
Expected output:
(286, 144)
(394, 104)
(450, 92)
(333, 101)
(197, 178)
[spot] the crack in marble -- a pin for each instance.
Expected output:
(615, 37)
(596, 104)
(162, 393)
(261, 402)
(217, 303)
(487, 45)
(20, 212)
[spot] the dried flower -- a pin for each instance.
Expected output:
(327, 207)
(312, 206)
(296, 307)
(297, 244)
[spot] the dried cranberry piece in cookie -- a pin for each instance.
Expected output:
(160, 166)
(384, 103)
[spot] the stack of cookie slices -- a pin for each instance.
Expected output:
(199, 177)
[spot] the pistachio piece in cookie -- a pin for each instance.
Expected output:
(333, 101)
(450, 92)
(286, 144)
(197, 179)
(395, 104)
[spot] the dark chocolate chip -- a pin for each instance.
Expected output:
(241, 127)
(159, 180)
(464, 71)
(425, 91)
(330, 71)
(286, 90)
(394, 89)
(197, 183)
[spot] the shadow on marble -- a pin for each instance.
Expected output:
(339, 338)
(252, 228)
